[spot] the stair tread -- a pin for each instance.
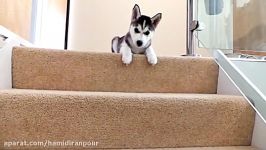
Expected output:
(122, 94)
(207, 148)
(162, 97)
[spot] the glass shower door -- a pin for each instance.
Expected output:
(250, 25)
(233, 26)
(217, 17)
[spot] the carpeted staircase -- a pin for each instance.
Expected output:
(76, 96)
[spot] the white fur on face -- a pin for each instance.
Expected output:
(140, 36)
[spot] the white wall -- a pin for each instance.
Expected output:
(5, 65)
(93, 24)
(6, 54)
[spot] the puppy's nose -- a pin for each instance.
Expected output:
(139, 43)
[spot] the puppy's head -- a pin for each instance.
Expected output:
(142, 27)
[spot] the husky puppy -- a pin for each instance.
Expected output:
(138, 39)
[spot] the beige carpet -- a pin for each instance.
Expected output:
(126, 120)
(206, 148)
(87, 71)
(152, 114)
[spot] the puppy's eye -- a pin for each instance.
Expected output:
(136, 30)
(147, 33)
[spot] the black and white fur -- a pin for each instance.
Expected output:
(138, 39)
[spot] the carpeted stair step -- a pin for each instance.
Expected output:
(83, 96)
(126, 120)
(205, 148)
(47, 69)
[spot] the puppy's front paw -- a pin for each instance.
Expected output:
(152, 59)
(127, 59)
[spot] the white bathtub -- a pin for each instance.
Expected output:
(255, 70)
(249, 78)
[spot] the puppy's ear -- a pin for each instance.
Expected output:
(136, 12)
(156, 19)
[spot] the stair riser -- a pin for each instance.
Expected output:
(127, 121)
(79, 71)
